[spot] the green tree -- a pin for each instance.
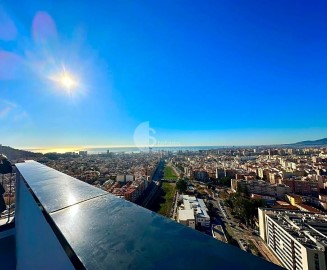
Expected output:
(181, 185)
(244, 208)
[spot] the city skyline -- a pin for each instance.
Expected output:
(175, 144)
(96, 149)
(210, 74)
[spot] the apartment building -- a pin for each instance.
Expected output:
(193, 211)
(260, 187)
(298, 239)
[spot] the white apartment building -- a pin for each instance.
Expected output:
(298, 239)
(186, 217)
(193, 212)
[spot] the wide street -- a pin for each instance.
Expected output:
(153, 188)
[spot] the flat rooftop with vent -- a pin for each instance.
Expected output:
(299, 239)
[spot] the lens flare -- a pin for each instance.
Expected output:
(67, 81)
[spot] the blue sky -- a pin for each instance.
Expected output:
(200, 72)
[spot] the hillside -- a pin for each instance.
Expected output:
(13, 153)
(311, 143)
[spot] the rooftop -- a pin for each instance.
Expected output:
(187, 214)
(310, 229)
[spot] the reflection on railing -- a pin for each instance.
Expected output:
(64, 223)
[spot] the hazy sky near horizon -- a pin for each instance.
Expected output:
(197, 72)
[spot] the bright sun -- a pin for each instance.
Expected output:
(67, 81)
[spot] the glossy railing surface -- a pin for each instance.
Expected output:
(97, 230)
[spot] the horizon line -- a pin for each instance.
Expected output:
(80, 147)
(150, 146)
(146, 146)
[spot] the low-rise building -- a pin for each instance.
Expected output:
(187, 218)
(193, 211)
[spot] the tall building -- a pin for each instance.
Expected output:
(298, 239)
(82, 153)
(202, 176)
(302, 187)
(220, 173)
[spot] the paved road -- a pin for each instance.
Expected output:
(152, 194)
(152, 190)
(242, 234)
(269, 256)
(218, 233)
(173, 213)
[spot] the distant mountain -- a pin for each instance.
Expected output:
(311, 143)
(13, 153)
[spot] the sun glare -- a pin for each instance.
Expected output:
(67, 81)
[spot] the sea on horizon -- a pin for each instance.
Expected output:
(101, 150)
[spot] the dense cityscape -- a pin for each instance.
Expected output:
(163, 135)
(232, 194)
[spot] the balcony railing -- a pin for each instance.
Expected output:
(64, 223)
